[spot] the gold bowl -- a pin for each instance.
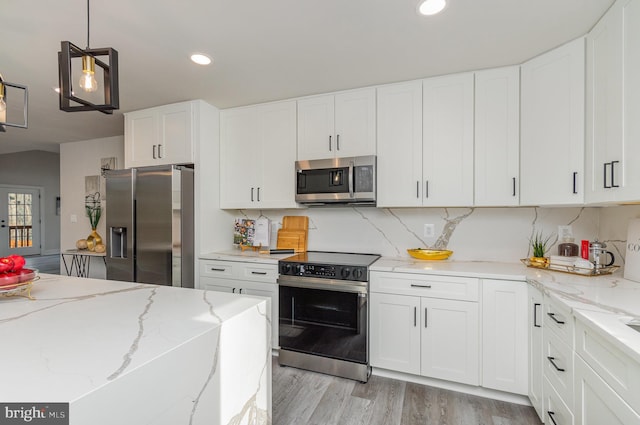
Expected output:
(429, 254)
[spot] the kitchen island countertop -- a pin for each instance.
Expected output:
(130, 353)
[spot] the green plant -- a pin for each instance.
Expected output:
(539, 244)
(94, 214)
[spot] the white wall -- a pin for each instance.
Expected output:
(77, 160)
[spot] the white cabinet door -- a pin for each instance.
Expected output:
(355, 122)
(337, 125)
(447, 155)
(504, 336)
(552, 127)
(218, 285)
(176, 133)
(497, 137)
(238, 138)
(449, 340)
(395, 332)
(400, 144)
(162, 135)
(596, 402)
(535, 311)
(277, 155)
(316, 139)
(141, 134)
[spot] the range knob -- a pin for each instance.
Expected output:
(358, 273)
(299, 269)
(345, 273)
(286, 268)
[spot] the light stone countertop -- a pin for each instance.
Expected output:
(93, 342)
(606, 303)
(248, 256)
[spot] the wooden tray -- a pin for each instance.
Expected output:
(578, 271)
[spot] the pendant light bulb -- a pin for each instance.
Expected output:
(88, 81)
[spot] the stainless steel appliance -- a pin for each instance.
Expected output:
(150, 232)
(337, 181)
(324, 313)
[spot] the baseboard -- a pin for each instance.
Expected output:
(50, 252)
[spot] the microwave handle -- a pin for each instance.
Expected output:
(351, 176)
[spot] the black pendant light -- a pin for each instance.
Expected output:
(105, 59)
(4, 123)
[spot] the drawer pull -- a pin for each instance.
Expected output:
(415, 285)
(553, 316)
(214, 269)
(260, 273)
(552, 361)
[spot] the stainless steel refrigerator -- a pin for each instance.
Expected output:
(150, 230)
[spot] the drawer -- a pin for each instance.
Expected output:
(617, 369)
(556, 410)
(217, 268)
(557, 366)
(431, 286)
(559, 319)
(259, 272)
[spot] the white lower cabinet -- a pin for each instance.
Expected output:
(422, 335)
(244, 278)
(504, 336)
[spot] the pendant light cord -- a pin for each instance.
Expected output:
(87, 24)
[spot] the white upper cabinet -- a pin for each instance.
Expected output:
(447, 151)
(258, 151)
(613, 104)
(161, 135)
(337, 125)
(497, 137)
(552, 127)
(400, 144)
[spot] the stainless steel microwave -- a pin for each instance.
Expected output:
(337, 181)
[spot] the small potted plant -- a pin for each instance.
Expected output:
(539, 245)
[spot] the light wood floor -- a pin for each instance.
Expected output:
(302, 397)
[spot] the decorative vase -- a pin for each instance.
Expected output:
(541, 262)
(93, 239)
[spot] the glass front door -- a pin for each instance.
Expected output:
(19, 221)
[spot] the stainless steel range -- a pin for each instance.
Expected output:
(324, 313)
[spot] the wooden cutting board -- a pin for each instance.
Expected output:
(293, 234)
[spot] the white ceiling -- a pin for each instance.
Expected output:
(263, 50)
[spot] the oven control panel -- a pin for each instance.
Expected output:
(324, 271)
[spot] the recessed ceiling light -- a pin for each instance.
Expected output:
(431, 7)
(201, 59)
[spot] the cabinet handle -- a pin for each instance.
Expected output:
(160, 151)
(613, 179)
(260, 273)
(233, 290)
(425, 317)
(553, 316)
(417, 189)
(604, 182)
(415, 316)
(214, 269)
(251, 194)
(154, 152)
(415, 285)
(337, 142)
(329, 143)
(240, 291)
(552, 361)
(258, 194)
(514, 186)
(550, 413)
(535, 315)
(426, 188)
(575, 188)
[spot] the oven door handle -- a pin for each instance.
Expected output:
(322, 284)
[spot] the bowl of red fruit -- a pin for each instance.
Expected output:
(15, 279)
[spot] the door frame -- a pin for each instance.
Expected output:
(41, 193)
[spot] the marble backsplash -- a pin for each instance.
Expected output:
(488, 234)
